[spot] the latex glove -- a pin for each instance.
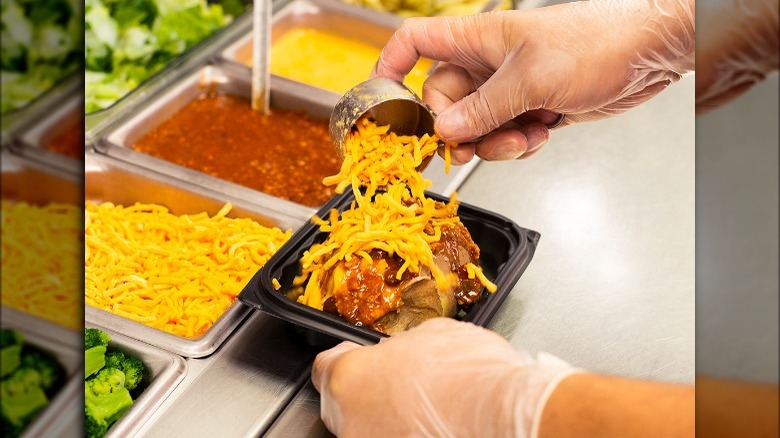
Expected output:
(443, 378)
(513, 72)
(738, 47)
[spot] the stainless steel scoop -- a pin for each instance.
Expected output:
(386, 101)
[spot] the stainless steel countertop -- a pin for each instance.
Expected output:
(610, 289)
(241, 388)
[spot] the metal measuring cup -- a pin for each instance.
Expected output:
(386, 101)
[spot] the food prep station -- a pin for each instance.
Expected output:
(610, 289)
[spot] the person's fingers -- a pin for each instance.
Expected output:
(446, 85)
(511, 141)
(482, 111)
(323, 363)
(449, 39)
(543, 116)
(536, 135)
(502, 144)
(461, 154)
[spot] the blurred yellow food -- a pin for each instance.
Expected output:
(174, 273)
(328, 61)
(41, 261)
(430, 8)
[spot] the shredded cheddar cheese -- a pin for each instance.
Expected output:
(447, 157)
(174, 273)
(41, 271)
(390, 211)
(375, 158)
(475, 271)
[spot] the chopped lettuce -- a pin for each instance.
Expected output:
(127, 41)
(41, 44)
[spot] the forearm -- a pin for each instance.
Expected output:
(590, 405)
(726, 408)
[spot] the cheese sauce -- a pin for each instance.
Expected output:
(328, 61)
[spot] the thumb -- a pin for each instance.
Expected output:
(323, 363)
(478, 113)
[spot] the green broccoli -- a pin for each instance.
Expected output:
(105, 400)
(11, 351)
(109, 377)
(95, 343)
(51, 372)
(131, 366)
(30, 377)
(21, 398)
(10, 337)
(94, 337)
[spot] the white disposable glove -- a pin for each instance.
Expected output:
(443, 378)
(510, 73)
(738, 46)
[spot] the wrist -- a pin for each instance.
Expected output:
(533, 386)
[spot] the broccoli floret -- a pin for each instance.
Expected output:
(95, 343)
(10, 337)
(131, 366)
(95, 338)
(114, 359)
(107, 392)
(22, 398)
(94, 360)
(11, 351)
(106, 381)
(134, 372)
(92, 427)
(52, 373)
(105, 400)
(30, 376)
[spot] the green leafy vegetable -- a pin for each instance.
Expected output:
(41, 44)
(127, 41)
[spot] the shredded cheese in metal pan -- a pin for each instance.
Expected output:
(174, 273)
(40, 261)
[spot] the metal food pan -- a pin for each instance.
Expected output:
(164, 371)
(333, 16)
(96, 122)
(36, 183)
(32, 142)
(66, 346)
(16, 122)
(350, 21)
(108, 179)
(25, 180)
(226, 79)
(491, 5)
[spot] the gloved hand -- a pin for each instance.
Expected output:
(738, 46)
(442, 378)
(513, 72)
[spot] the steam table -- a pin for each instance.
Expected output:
(610, 289)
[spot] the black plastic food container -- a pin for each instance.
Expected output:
(505, 251)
